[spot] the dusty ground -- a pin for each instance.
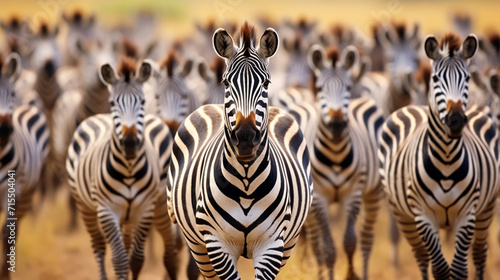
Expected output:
(47, 251)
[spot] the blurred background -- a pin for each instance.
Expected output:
(47, 250)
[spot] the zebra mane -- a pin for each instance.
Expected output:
(400, 29)
(339, 30)
(44, 29)
(450, 42)
(77, 16)
(333, 54)
(127, 67)
(217, 67)
(247, 37)
(494, 39)
(130, 49)
(14, 22)
(170, 62)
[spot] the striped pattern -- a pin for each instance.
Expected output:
(438, 174)
(118, 189)
(229, 203)
(23, 148)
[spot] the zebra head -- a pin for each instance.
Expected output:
(46, 57)
(298, 73)
(449, 81)
(80, 27)
(212, 75)
(246, 81)
(333, 85)
(127, 102)
(400, 50)
(10, 70)
(175, 100)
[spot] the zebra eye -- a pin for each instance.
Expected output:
(112, 103)
(349, 87)
(143, 101)
(266, 84)
(435, 78)
(226, 83)
(467, 78)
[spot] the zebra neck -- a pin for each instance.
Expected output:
(48, 89)
(118, 154)
(439, 142)
(95, 101)
(245, 172)
(334, 149)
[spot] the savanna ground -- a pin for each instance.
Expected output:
(46, 250)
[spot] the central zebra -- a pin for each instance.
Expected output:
(239, 182)
(440, 165)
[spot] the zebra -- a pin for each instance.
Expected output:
(74, 106)
(439, 165)
(239, 183)
(23, 150)
(344, 159)
(213, 76)
(79, 27)
(116, 164)
(174, 100)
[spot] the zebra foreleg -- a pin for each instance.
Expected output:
(350, 238)
(371, 205)
(110, 226)
(464, 234)
(223, 262)
(430, 238)
(480, 244)
(267, 260)
(140, 234)
(394, 236)
(319, 237)
(411, 234)
(97, 239)
(164, 226)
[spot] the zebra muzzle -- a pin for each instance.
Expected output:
(456, 119)
(245, 137)
(337, 122)
(5, 129)
(173, 125)
(130, 141)
(49, 67)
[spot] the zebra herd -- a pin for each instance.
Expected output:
(237, 152)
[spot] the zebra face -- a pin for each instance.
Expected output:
(449, 80)
(46, 57)
(127, 102)
(10, 71)
(246, 82)
(172, 93)
(333, 84)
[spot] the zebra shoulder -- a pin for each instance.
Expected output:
(398, 128)
(483, 126)
(284, 129)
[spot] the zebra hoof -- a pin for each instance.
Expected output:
(351, 275)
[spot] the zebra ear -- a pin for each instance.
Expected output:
(13, 68)
(144, 72)
(365, 67)
(316, 58)
(415, 38)
(469, 46)
(186, 69)
(268, 43)
(495, 81)
(107, 74)
(204, 71)
(431, 47)
(349, 57)
(223, 44)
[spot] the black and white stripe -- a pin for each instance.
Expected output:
(116, 166)
(239, 183)
(440, 166)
